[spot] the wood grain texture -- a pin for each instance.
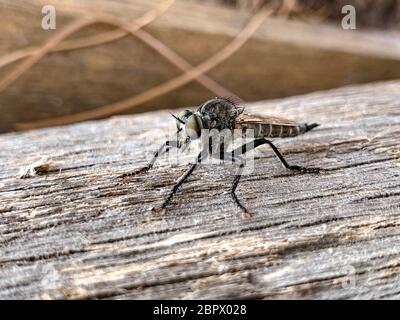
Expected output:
(282, 58)
(75, 233)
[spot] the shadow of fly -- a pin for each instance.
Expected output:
(212, 122)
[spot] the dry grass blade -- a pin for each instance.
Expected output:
(166, 87)
(126, 28)
(39, 53)
(93, 40)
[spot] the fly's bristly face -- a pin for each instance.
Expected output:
(192, 123)
(182, 117)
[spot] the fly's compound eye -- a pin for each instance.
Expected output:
(182, 117)
(193, 126)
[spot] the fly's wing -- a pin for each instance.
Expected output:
(264, 119)
(268, 126)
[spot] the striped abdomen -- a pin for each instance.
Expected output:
(271, 126)
(271, 130)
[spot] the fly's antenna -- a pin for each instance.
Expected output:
(177, 119)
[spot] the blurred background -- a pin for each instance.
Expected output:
(103, 58)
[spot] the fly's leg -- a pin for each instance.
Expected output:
(245, 212)
(163, 149)
(179, 183)
(234, 158)
(258, 142)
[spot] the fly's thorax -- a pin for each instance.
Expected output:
(219, 113)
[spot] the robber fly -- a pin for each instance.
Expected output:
(221, 114)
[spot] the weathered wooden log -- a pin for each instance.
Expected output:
(282, 58)
(75, 232)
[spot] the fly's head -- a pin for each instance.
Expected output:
(217, 113)
(191, 123)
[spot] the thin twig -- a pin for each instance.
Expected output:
(167, 86)
(127, 28)
(93, 40)
(38, 54)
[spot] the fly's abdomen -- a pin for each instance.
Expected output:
(271, 130)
